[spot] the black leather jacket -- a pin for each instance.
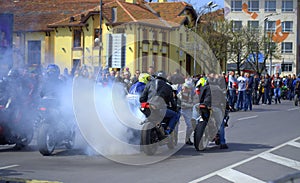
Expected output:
(158, 87)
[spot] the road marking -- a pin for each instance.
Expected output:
(250, 117)
(295, 144)
(261, 155)
(281, 160)
(7, 167)
(236, 176)
(292, 109)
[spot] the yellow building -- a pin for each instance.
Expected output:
(135, 34)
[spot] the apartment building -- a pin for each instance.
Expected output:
(277, 18)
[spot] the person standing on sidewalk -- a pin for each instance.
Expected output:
(232, 85)
(277, 84)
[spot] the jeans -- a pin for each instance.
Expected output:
(187, 114)
(277, 93)
(232, 98)
(174, 118)
(241, 100)
(248, 100)
(222, 133)
(267, 96)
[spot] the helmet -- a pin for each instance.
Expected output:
(13, 73)
(144, 78)
(202, 82)
(53, 70)
(161, 74)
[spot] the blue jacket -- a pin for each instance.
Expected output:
(137, 88)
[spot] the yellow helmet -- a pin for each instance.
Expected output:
(144, 78)
(201, 82)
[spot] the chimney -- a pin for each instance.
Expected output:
(131, 1)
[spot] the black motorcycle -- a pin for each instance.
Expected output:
(207, 127)
(54, 129)
(15, 128)
(153, 130)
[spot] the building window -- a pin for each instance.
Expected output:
(180, 37)
(236, 5)
(145, 34)
(164, 36)
(287, 67)
(96, 38)
(270, 5)
(270, 26)
(287, 6)
(253, 25)
(187, 37)
(253, 5)
(287, 26)
(237, 26)
(164, 63)
(34, 52)
(155, 35)
(77, 38)
(114, 14)
(145, 62)
(287, 47)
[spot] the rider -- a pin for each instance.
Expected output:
(160, 88)
(51, 83)
(138, 87)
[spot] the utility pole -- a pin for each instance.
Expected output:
(100, 35)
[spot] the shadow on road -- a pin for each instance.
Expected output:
(191, 151)
(9, 173)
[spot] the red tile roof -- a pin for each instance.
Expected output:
(43, 15)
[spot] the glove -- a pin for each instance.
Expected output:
(145, 105)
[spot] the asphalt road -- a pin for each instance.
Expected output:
(264, 144)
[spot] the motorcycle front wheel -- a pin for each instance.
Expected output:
(149, 138)
(46, 139)
(296, 100)
(200, 137)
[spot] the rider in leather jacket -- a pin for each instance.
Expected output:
(160, 88)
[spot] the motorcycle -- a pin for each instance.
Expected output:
(207, 128)
(297, 99)
(54, 129)
(153, 130)
(14, 127)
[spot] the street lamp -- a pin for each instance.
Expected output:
(209, 6)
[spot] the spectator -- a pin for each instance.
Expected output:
(232, 85)
(242, 83)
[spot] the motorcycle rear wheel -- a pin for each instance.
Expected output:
(149, 138)
(46, 139)
(200, 137)
(71, 140)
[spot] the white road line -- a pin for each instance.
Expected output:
(292, 109)
(7, 167)
(296, 144)
(243, 161)
(281, 160)
(250, 117)
(236, 176)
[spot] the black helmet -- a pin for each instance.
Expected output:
(53, 70)
(161, 74)
(13, 73)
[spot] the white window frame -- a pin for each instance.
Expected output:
(268, 8)
(286, 50)
(252, 7)
(284, 6)
(286, 28)
(234, 27)
(270, 26)
(235, 6)
(287, 67)
(251, 27)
